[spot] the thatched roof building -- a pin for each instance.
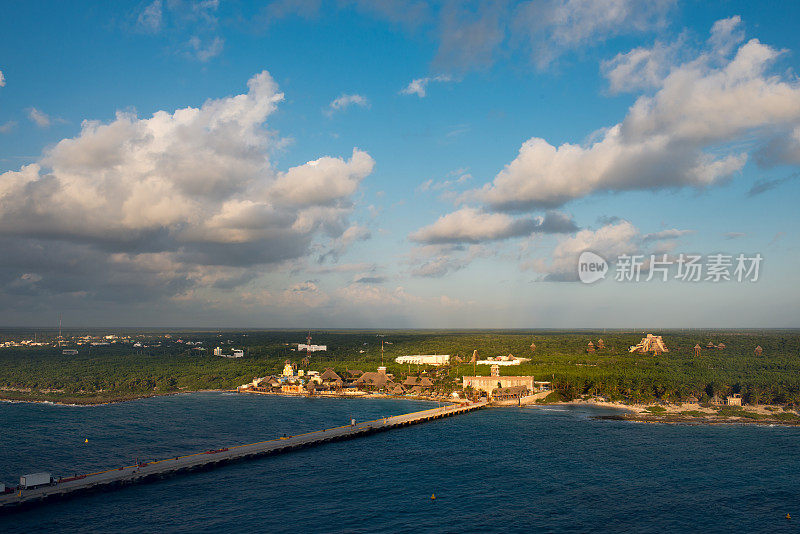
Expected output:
(329, 375)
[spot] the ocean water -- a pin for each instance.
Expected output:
(495, 470)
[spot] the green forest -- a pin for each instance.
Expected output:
(120, 371)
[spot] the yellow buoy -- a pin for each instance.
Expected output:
(86, 440)
(433, 497)
(788, 516)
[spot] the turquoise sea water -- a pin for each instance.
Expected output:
(495, 470)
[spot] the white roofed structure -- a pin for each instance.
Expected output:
(424, 359)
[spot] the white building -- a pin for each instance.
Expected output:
(424, 359)
(503, 360)
(238, 353)
(311, 348)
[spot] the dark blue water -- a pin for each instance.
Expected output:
(512, 470)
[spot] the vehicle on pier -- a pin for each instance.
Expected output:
(34, 480)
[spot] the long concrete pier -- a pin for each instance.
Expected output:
(143, 472)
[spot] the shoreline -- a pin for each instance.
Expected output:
(91, 403)
(691, 414)
(105, 402)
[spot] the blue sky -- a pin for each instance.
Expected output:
(395, 164)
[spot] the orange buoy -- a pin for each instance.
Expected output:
(788, 516)
(433, 497)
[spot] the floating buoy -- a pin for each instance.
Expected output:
(433, 497)
(788, 516)
(86, 440)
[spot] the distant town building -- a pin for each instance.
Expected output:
(311, 348)
(69, 352)
(590, 347)
(697, 350)
(424, 359)
(288, 369)
(533, 347)
(600, 344)
(650, 343)
(495, 370)
(218, 351)
(758, 350)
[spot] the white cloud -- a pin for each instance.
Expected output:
(665, 139)
(2, 79)
(726, 34)
(373, 295)
(6, 127)
(435, 261)
(305, 294)
(672, 233)
(609, 241)
(345, 101)
(39, 118)
(641, 68)
(205, 51)
(419, 86)
(150, 18)
(195, 185)
(470, 225)
(551, 27)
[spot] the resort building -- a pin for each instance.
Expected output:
(488, 384)
(424, 359)
(503, 360)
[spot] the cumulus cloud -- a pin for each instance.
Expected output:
(609, 241)
(665, 140)
(39, 118)
(419, 86)
(7, 126)
(641, 68)
(345, 101)
(782, 149)
(193, 190)
(340, 245)
(470, 225)
(2, 79)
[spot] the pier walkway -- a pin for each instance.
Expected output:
(133, 474)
